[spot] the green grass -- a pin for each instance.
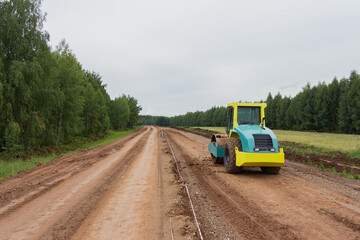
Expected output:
(343, 173)
(341, 142)
(346, 143)
(306, 150)
(113, 135)
(214, 129)
(14, 166)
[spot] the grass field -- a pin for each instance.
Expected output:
(14, 166)
(341, 142)
(215, 129)
(346, 143)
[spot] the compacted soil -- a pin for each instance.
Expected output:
(123, 190)
(129, 189)
(301, 202)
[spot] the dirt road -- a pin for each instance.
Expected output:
(129, 189)
(299, 203)
(123, 190)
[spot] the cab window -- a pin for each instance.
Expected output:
(248, 115)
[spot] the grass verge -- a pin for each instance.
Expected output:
(214, 129)
(331, 161)
(346, 143)
(13, 166)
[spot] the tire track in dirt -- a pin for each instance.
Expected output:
(57, 213)
(139, 169)
(136, 173)
(17, 190)
(137, 206)
(247, 221)
(68, 225)
(128, 210)
(295, 204)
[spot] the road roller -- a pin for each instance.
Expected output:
(247, 143)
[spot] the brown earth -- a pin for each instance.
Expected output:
(300, 203)
(129, 189)
(123, 190)
(198, 131)
(331, 160)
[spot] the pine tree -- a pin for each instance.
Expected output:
(354, 102)
(334, 93)
(269, 112)
(134, 111)
(322, 106)
(277, 122)
(281, 112)
(344, 107)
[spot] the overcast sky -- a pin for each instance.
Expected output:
(180, 56)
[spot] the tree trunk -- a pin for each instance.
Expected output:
(59, 127)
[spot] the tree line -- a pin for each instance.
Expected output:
(214, 117)
(333, 107)
(46, 97)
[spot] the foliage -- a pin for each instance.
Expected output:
(119, 113)
(162, 121)
(134, 111)
(24, 65)
(95, 112)
(212, 117)
(333, 107)
(148, 119)
(46, 97)
(69, 79)
(12, 139)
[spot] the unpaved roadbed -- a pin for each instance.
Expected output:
(299, 203)
(129, 189)
(126, 189)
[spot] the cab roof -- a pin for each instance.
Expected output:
(262, 105)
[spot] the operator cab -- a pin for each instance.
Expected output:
(244, 115)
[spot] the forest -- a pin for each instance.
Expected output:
(332, 107)
(46, 96)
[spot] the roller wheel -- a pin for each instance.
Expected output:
(270, 170)
(220, 142)
(230, 156)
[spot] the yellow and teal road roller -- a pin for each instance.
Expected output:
(247, 143)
